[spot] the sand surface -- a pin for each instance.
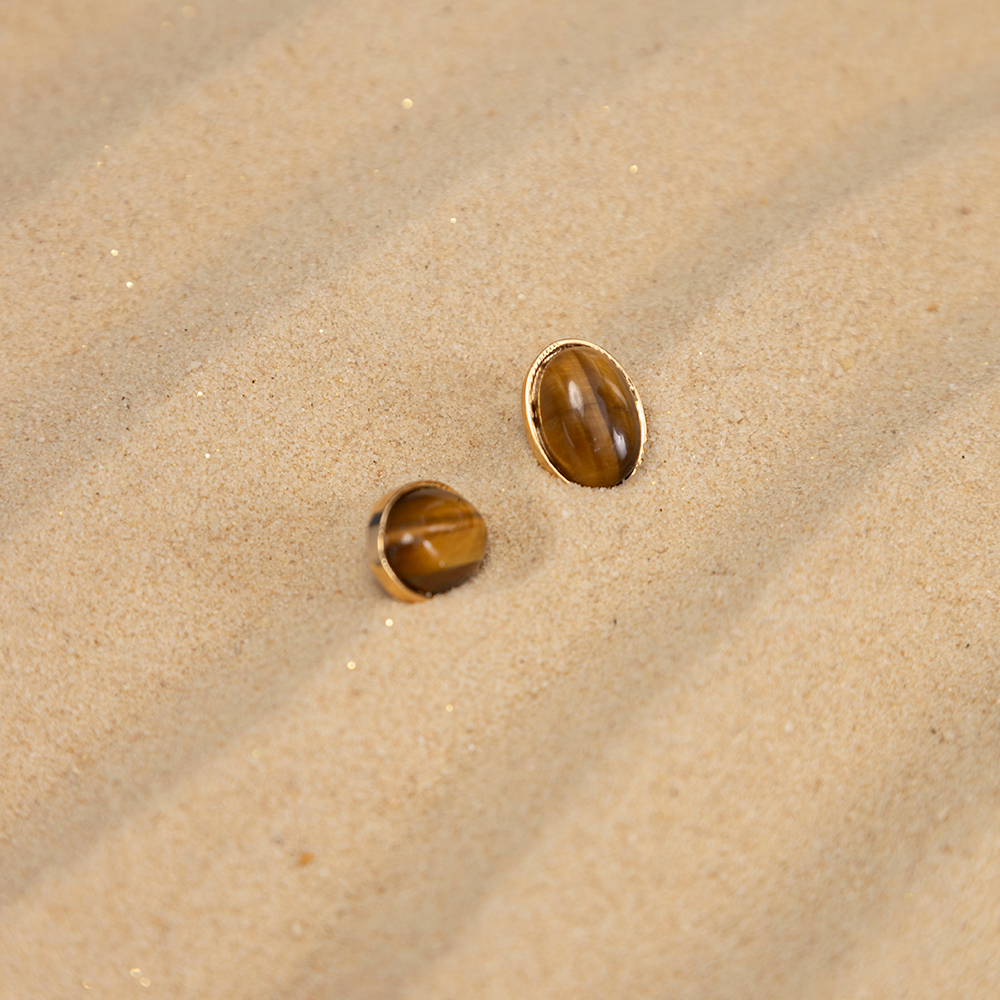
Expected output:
(729, 730)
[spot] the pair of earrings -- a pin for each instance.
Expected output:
(585, 424)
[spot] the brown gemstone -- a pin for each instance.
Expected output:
(434, 540)
(587, 418)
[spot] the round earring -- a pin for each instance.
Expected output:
(582, 415)
(424, 539)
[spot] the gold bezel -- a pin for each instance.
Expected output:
(375, 543)
(529, 406)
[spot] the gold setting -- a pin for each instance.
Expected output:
(529, 404)
(375, 554)
(375, 548)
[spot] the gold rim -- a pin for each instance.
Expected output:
(529, 406)
(375, 544)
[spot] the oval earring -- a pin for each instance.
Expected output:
(583, 415)
(424, 539)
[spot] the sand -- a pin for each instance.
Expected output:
(728, 730)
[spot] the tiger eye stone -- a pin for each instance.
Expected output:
(434, 539)
(588, 421)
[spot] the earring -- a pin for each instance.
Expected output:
(424, 539)
(582, 415)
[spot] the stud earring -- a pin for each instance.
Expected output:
(582, 415)
(424, 539)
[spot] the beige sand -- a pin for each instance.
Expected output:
(729, 730)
